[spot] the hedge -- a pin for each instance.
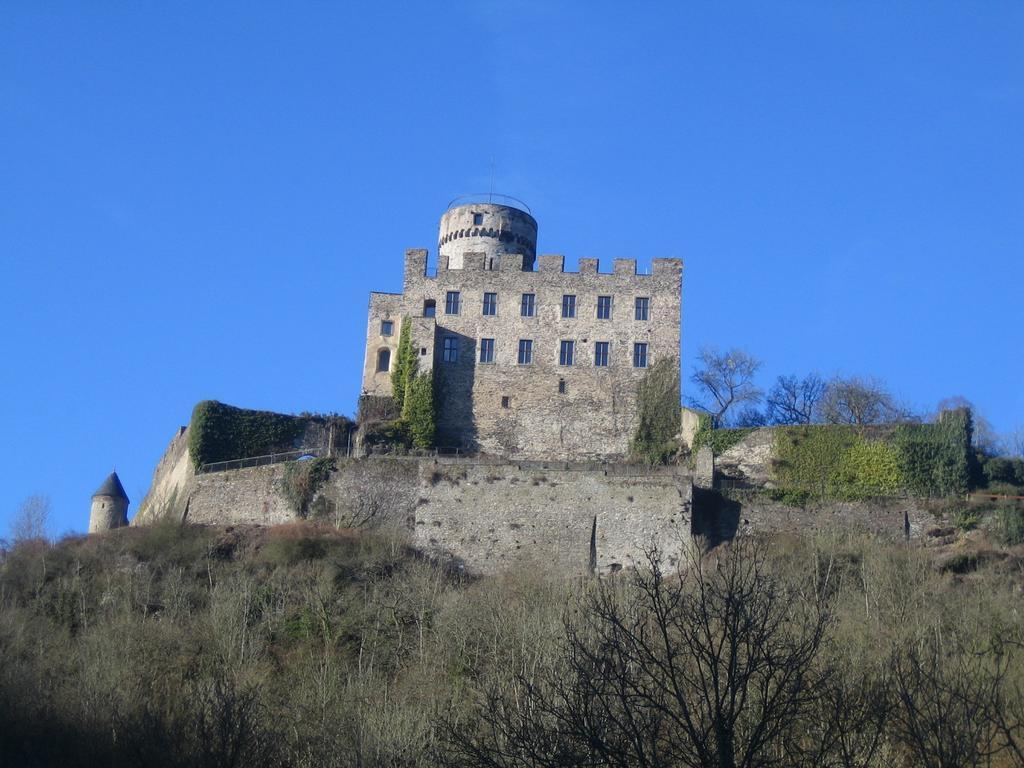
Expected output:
(220, 432)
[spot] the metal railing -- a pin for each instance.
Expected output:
(490, 197)
(270, 458)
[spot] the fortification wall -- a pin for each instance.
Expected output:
(485, 516)
(493, 517)
(172, 483)
(743, 513)
(243, 496)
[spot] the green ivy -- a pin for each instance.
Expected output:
(720, 440)
(851, 462)
(219, 432)
(935, 459)
(418, 413)
(657, 413)
(405, 366)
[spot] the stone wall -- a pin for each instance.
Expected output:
(737, 513)
(486, 516)
(172, 483)
(492, 517)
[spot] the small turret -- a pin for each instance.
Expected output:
(109, 506)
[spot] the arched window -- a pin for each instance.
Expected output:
(429, 308)
(383, 360)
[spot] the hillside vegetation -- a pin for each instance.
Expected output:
(307, 646)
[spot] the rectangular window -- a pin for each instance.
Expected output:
(568, 305)
(527, 308)
(561, 386)
(478, 219)
(486, 350)
(504, 401)
(601, 354)
(565, 353)
(450, 352)
(387, 328)
(526, 351)
(639, 355)
(451, 303)
(604, 307)
(490, 303)
(643, 307)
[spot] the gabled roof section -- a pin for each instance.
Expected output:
(112, 487)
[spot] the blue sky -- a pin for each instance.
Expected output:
(196, 198)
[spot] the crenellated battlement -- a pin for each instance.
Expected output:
(547, 263)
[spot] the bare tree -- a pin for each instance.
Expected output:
(857, 400)
(793, 401)
(946, 702)
(31, 520)
(711, 665)
(725, 380)
(1015, 442)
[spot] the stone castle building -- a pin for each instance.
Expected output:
(528, 360)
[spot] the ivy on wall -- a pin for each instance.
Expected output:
(936, 458)
(405, 366)
(219, 432)
(720, 440)
(657, 413)
(835, 461)
(846, 462)
(418, 413)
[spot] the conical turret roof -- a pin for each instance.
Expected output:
(112, 487)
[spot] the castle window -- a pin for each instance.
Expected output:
(490, 303)
(387, 328)
(639, 355)
(527, 308)
(504, 401)
(451, 303)
(486, 350)
(423, 351)
(526, 351)
(383, 360)
(604, 307)
(450, 350)
(561, 386)
(429, 308)
(478, 219)
(601, 354)
(565, 352)
(568, 305)
(643, 308)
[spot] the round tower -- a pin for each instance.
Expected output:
(109, 506)
(494, 226)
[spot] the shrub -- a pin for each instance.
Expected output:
(1003, 470)
(1008, 524)
(966, 519)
